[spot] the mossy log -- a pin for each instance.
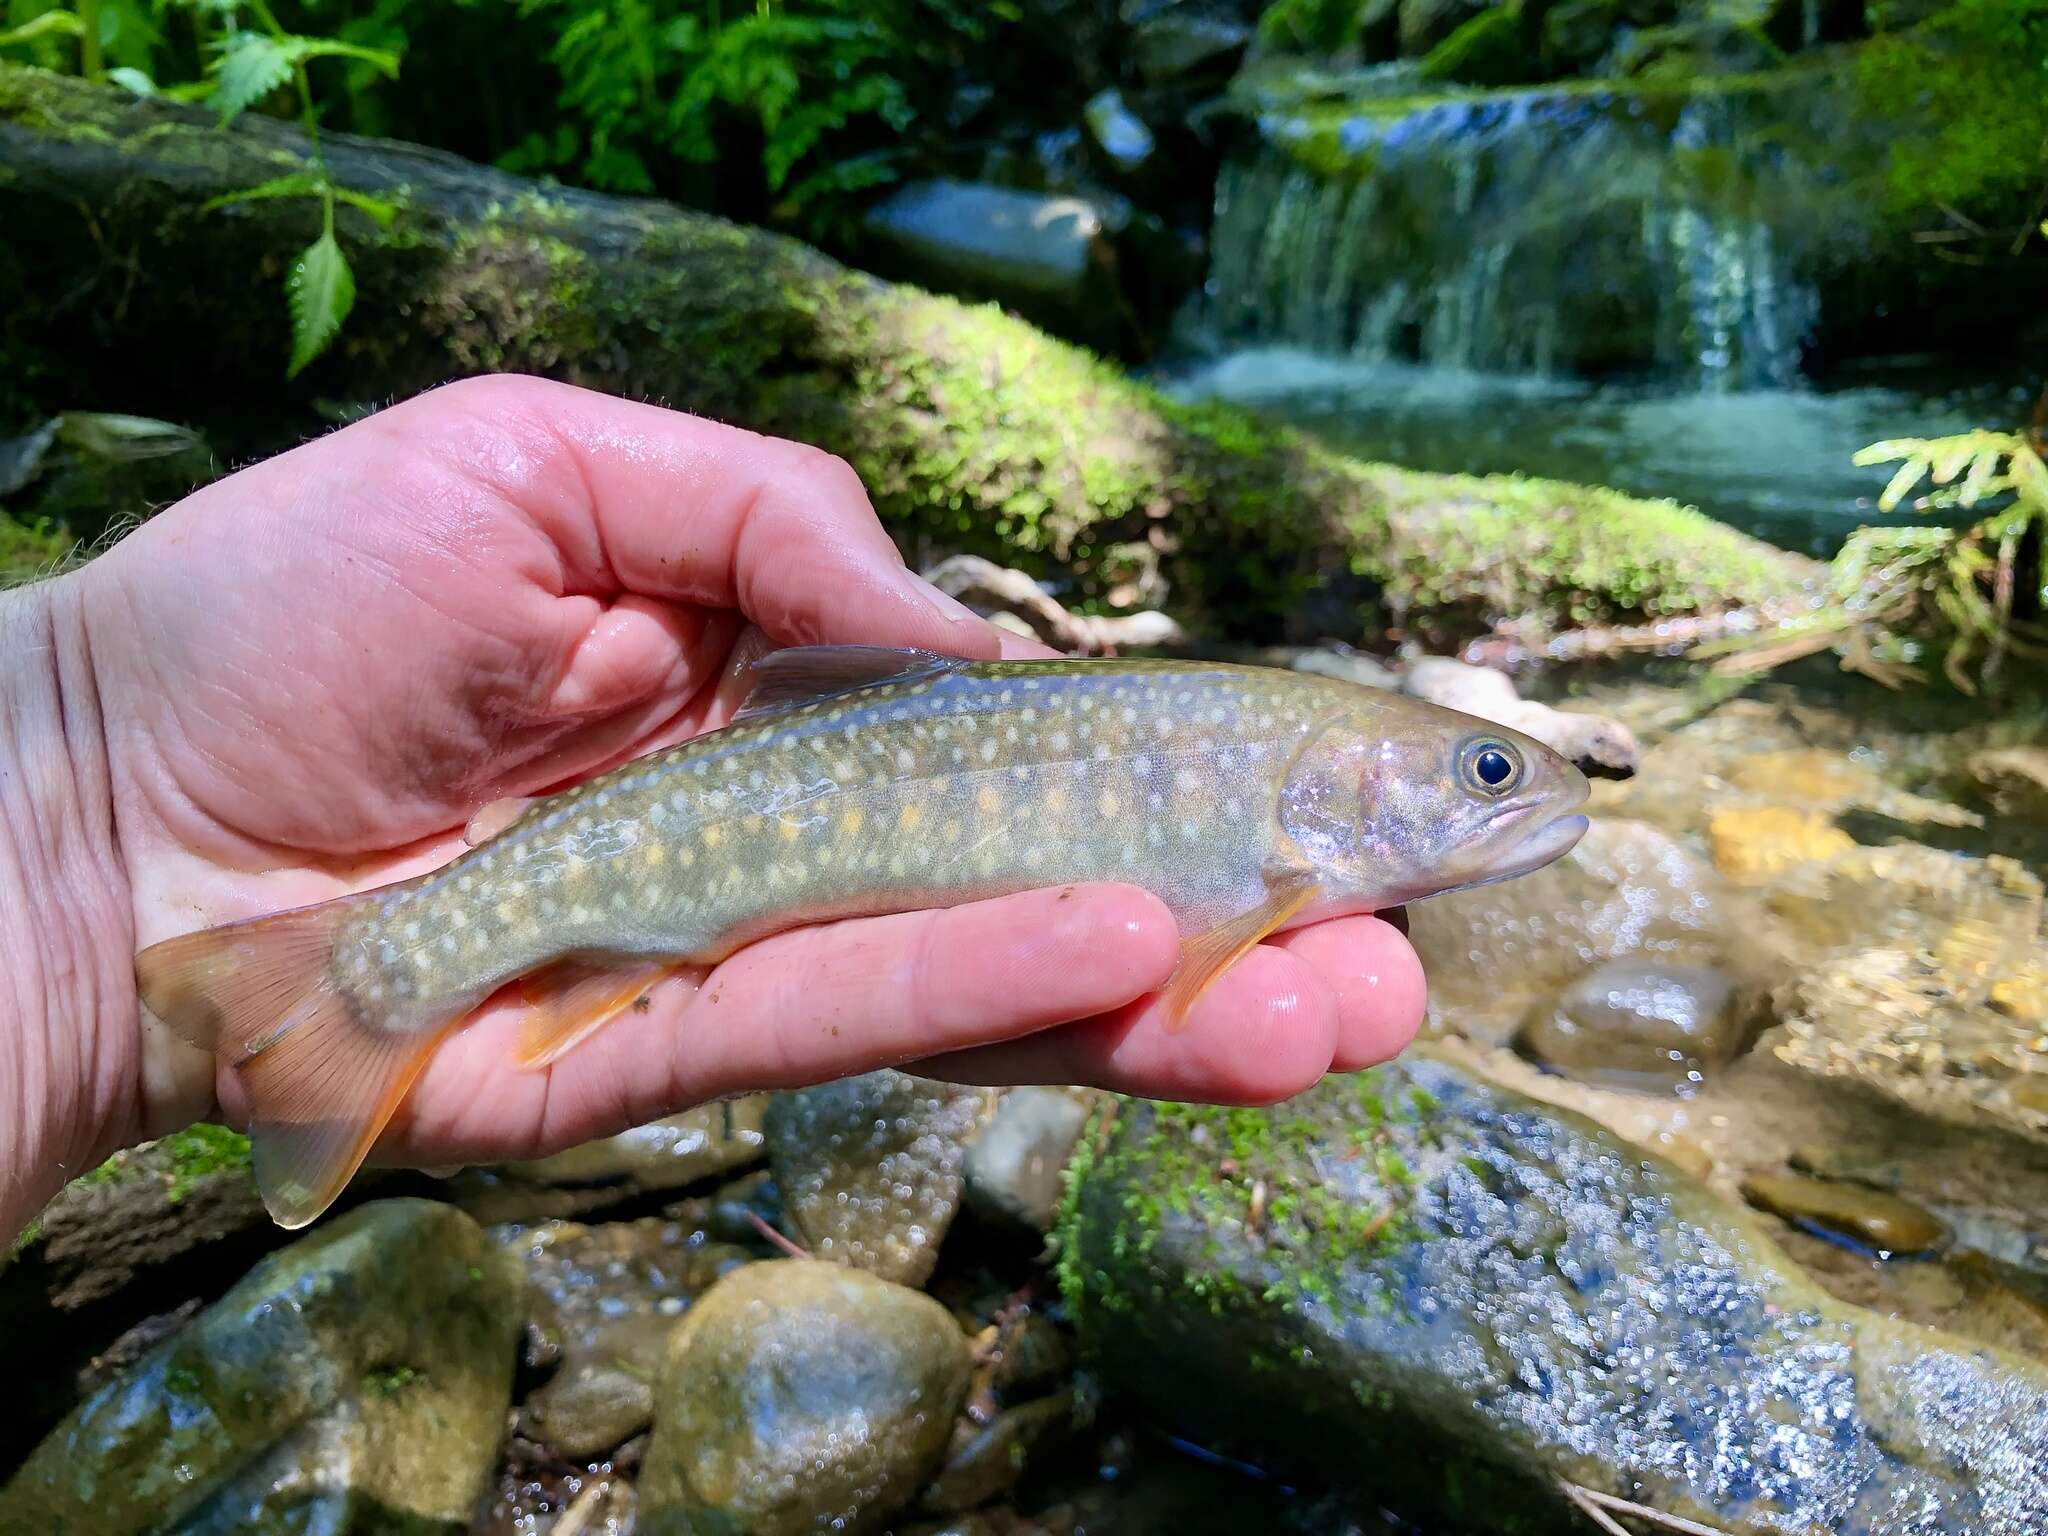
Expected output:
(129, 290)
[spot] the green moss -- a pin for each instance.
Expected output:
(390, 1381)
(180, 1159)
(1976, 79)
(29, 551)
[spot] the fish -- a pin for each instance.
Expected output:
(856, 781)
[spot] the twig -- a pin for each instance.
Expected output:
(973, 579)
(776, 1238)
(578, 1514)
(1596, 1504)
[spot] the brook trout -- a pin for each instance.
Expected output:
(856, 782)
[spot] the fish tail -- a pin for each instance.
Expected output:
(323, 1075)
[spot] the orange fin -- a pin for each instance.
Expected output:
(323, 1082)
(1206, 956)
(494, 818)
(572, 999)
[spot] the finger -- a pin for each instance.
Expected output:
(1265, 1031)
(1377, 980)
(801, 1008)
(648, 500)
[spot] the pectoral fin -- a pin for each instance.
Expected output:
(1206, 956)
(494, 818)
(572, 999)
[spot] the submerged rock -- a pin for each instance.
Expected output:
(1117, 133)
(609, 1297)
(1519, 1299)
(354, 1382)
(1014, 1167)
(1880, 1222)
(871, 1167)
(1754, 845)
(800, 1397)
(1181, 42)
(1637, 1024)
(987, 1461)
(666, 1154)
(1628, 889)
(2014, 780)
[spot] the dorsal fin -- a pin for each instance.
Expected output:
(804, 674)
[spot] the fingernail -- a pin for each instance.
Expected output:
(951, 609)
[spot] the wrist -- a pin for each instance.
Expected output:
(68, 1088)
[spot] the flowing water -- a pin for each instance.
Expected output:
(1773, 462)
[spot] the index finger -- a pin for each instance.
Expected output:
(643, 499)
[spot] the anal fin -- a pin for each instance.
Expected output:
(571, 1000)
(1206, 956)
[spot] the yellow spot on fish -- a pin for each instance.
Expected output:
(686, 857)
(1055, 799)
(952, 831)
(713, 836)
(655, 854)
(756, 822)
(850, 822)
(788, 830)
(1107, 804)
(908, 818)
(987, 802)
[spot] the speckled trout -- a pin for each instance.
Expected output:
(854, 782)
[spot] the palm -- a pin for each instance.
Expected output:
(502, 587)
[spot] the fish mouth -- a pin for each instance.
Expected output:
(1543, 845)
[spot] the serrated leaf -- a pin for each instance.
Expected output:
(249, 69)
(320, 290)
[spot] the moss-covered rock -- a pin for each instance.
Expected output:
(973, 431)
(1517, 1298)
(355, 1382)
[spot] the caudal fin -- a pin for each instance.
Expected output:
(323, 1081)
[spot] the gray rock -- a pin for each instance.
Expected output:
(1183, 42)
(800, 1397)
(609, 1297)
(987, 1461)
(871, 1167)
(356, 1381)
(1637, 1024)
(1014, 1168)
(1519, 1299)
(1041, 253)
(666, 1154)
(1117, 133)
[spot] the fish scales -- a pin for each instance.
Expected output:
(990, 780)
(864, 782)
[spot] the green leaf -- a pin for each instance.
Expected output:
(299, 49)
(133, 80)
(383, 212)
(49, 21)
(1908, 476)
(250, 67)
(320, 290)
(297, 184)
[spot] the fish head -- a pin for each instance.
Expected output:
(1398, 800)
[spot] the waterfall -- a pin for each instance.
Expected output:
(1521, 232)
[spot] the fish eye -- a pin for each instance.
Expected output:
(1491, 767)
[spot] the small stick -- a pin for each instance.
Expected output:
(776, 1238)
(1596, 1504)
(578, 1514)
(1590, 1510)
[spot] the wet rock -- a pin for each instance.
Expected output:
(2014, 780)
(1637, 1024)
(1494, 954)
(609, 1296)
(1594, 742)
(1973, 920)
(985, 1462)
(1045, 255)
(1031, 1355)
(356, 1381)
(2023, 995)
(1184, 42)
(1117, 133)
(1883, 1223)
(1966, 1293)
(1831, 782)
(667, 1154)
(871, 1167)
(798, 1397)
(1014, 1167)
(1754, 845)
(1518, 1298)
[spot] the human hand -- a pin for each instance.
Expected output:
(301, 681)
